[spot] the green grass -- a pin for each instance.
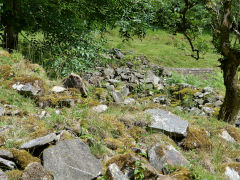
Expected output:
(165, 49)
(215, 81)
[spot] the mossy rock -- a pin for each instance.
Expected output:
(4, 53)
(101, 94)
(128, 160)
(34, 81)
(136, 132)
(90, 102)
(53, 100)
(122, 160)
(181, 174)
(113, 144)
(216, 111)
(23, 158)
(14, 174)
(196, 138)
(6, 71)
(27, 79)
(189, 91)
(234, 132)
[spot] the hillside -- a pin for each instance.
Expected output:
(138, 120)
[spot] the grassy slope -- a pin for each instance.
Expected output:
(165, 49)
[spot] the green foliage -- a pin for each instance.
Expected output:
(67, 27)
(61, 59)
(139, 169)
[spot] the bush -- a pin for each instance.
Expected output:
(60, 59)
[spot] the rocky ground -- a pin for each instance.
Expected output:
(124, 121)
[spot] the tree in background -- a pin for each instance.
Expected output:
(67, 27)
(191, 17)
(226, 38)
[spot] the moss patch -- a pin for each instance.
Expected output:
(23, 158)
(181, 173)
(196, 138)
(14, 174)
(6, 71)
(113, 144)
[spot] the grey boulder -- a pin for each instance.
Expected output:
(71, 159)
(162, 154)
(167, 122)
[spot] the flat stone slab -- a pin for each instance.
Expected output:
(6, 154)
(167, 122)
(193, 71)
(40, 141)
(71, 159)
(6, 164)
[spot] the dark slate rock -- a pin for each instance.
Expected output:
(75, 81)
(48, 139)
(167, 122)
(161, 154)
(71, 159)
(6, 164)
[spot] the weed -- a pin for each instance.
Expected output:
(139, 170)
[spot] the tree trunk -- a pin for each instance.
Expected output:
(10, 38)
(9, 22)
(230, 108)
